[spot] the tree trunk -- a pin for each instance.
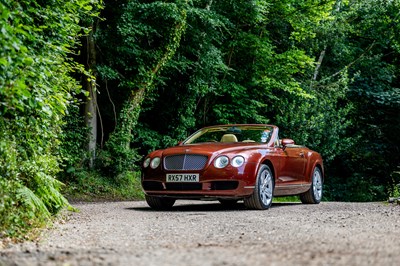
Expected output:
(321, 57)
(316, 71)
(91, 101)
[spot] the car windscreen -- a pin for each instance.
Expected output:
(258, 134)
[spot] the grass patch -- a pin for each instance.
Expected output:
(92, 186)
(286, 199)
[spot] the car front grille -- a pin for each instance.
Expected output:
(185, 162)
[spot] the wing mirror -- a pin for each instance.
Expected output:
(286, 142)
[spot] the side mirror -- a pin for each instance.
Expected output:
(286, 142)
(179, 143)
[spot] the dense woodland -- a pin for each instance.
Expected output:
(88, 87)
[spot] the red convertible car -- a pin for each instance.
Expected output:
(229, 163)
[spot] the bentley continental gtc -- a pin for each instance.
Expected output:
(230, 163)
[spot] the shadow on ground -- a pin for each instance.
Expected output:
(209, 206)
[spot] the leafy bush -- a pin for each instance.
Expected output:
(356, 188)
(73, 139)
(92, 185)
(394, 188)
(35, 87)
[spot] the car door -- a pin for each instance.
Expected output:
(293, 165)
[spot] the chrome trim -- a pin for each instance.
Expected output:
(293, 185)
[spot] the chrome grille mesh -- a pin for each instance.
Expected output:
(185, 162)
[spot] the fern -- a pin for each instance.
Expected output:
(33, 202)
(52, 198)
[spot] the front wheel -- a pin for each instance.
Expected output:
(261, 199)
(314, 194)
(159, 203)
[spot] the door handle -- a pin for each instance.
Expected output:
(301, 154)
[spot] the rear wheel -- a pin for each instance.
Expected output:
(261, 199)
(314, 194)
(159, 203)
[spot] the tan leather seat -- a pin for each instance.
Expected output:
(229, 138)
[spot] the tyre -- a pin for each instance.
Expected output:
(314, 194)
(159, 203)
(261, 199)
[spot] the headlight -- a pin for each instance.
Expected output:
(155, 162)
(221, 162)
(146, 163)
(237, 161)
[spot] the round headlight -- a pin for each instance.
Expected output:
(146, 163)
(221, 162)
(237, 161)
(155, 162)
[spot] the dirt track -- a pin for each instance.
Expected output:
(205, 233)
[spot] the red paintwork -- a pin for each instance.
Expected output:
(292, 167)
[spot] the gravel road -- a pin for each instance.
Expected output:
(206, 233)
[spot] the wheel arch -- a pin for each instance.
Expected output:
(270, 165)
(314, 160)
(321, 168)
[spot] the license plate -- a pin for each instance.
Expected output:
(182, 177)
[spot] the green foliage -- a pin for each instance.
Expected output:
(33, 202)
(321, 121)
(35, 87)
(73, 140)
(362, 41)
(230, 69)
(288, 199)
(394, 189)
(355, 188)
(117, 156)
(151, 34)
(92, 185)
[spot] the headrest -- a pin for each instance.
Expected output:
(229, 138)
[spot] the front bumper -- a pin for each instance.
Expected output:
(229, 182)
